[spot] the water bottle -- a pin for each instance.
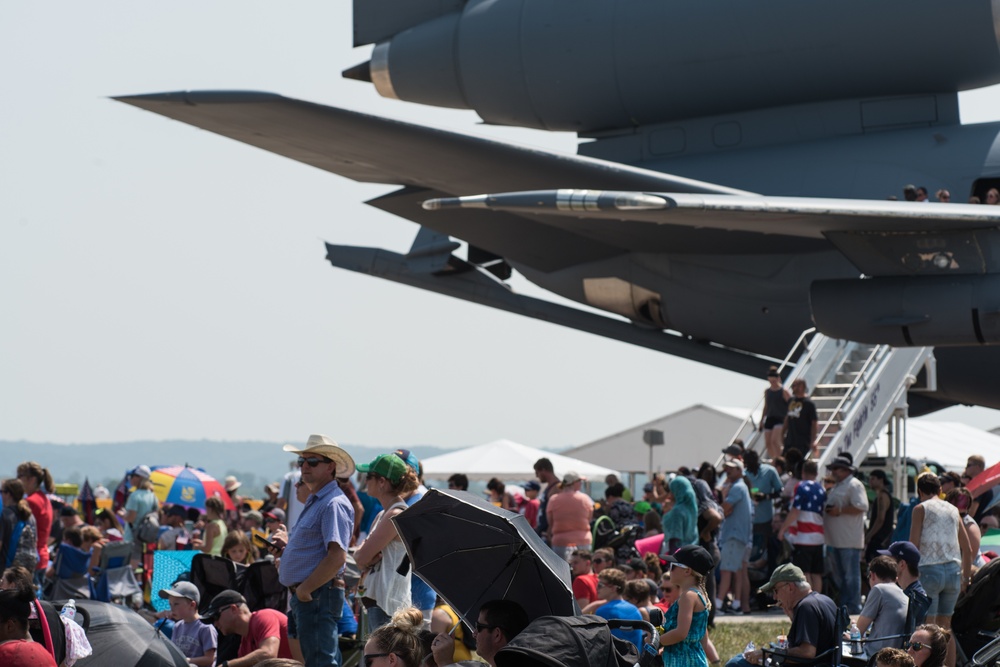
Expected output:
(69, 610)
(750, 648)
(855, 639)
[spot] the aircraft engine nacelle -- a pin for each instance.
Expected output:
(588, 65)
(908, 311)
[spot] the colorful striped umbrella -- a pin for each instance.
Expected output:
(183, 485)
(991, 540)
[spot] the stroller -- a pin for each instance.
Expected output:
(578, 641)
(976, 622)
(621, 540)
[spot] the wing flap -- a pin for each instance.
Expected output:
(880, 238)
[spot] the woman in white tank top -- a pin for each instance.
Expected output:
(385, 590)
(945, 557)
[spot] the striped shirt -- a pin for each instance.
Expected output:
(809, 500)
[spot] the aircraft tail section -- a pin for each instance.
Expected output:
(377, 20)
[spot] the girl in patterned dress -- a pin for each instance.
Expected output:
(687, 619)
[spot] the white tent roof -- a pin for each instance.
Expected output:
(692, 435)
(948, 443)
(506, 460)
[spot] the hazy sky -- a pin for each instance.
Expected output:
(158, 281)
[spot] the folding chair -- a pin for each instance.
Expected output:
(72, 578)
(831, 657)
(214, 574)
(115, 578)
(261, 588)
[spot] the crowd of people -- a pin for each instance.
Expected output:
(694, 544)
(919, 193)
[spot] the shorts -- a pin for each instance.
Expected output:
(943, 583)
(772, 422)
(734, 554)
(809, 558)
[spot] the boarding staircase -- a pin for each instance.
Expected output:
(857, 388)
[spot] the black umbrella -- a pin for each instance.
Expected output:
(471, 551)
(122, 638)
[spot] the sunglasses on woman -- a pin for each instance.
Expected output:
(916, 646)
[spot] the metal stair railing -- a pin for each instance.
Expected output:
(863, 405)
(749, 431)
(849, 395)
(877, 393)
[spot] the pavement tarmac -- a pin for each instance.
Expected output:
(772, 615)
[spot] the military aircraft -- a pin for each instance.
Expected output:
(733, 180)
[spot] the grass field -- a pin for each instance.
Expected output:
(731, 638)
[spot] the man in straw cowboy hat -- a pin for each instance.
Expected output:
(313, 560)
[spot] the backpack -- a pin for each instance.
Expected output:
(147, 530)
(23, 548)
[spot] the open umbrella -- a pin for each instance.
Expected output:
(470, 552)
(122, 638)
(183, 485)
(984, 481)
(990, 541)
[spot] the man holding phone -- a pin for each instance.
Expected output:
(312, 562)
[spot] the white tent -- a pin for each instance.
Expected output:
(948, 443)
(506, 460)
(692, 435)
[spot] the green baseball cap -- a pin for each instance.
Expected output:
(783, 573)
(389, 466)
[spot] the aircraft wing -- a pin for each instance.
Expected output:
(380, 150)
(433, 163)
(881, 238)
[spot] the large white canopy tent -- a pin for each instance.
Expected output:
(692, 435)
(507, 461)
(947, 443)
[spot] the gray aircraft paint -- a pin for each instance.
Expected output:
(717, 99)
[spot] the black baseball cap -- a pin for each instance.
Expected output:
(220, 602)
(694, 557)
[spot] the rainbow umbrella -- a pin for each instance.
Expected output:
(184, 485)
(991, 540)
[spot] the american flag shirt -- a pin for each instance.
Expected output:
(810, 496)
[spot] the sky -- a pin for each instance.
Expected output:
(161, 282)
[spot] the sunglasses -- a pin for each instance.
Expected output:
(483, 626)
(679, 565)
(601, 560)
(666, 589)
(916, 646)
(370, 657)
(313, 461)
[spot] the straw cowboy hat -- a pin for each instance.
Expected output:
(321, 445)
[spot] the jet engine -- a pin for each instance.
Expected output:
(909, 311)
(591, 65)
